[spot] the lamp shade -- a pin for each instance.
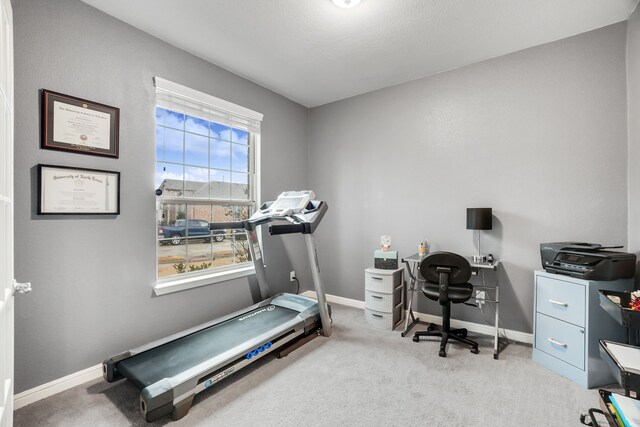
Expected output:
(479, 219)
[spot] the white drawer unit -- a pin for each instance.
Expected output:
(568, 322)
(384, 298)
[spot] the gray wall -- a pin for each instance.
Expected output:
(539, 135)
(633, 114)
(93, 277)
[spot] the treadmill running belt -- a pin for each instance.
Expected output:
(177, 356)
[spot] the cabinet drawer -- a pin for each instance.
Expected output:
(378, 319)
(379, 282)
(378, 301)
(560, 299)
(560, 339)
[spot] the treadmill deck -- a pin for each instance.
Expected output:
(177, 356)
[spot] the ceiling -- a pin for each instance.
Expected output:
(313, 52)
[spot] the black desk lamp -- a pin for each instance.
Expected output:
(479, 219)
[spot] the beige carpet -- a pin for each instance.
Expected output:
(358, 377)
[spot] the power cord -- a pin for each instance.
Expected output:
(298, 292)
(501, 329)
(502, 332)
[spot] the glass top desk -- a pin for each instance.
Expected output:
(492, 295)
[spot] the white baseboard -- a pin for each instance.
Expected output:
(65, 383)
(479, 328)
(28, 397)
(337, 300)
(519, 336)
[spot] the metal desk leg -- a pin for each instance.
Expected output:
(499, 343)
(496, 338)
(409, 311)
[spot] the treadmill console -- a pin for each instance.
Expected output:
(290, 202)
(296, 209)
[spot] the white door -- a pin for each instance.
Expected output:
(6, 215)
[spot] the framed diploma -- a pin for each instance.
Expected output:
(63, 190)
(78, 125)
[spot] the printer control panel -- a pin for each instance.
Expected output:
(575, 262)
(582, 268)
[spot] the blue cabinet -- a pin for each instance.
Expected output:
(568, 322)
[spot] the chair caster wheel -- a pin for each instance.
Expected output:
(431, 327)
(415, 339)
(442, 353)
(463, 335)
(475, 351)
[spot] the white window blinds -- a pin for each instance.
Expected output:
(174, 96)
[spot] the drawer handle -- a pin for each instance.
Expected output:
(376, 296)
(376, 278)
(563, 304)
(558, 343)
(376, 315)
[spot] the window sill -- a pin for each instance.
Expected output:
(177, 285)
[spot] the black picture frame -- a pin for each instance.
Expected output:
(77, 125)
(66, 190)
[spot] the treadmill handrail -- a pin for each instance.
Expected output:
(247, 224)
(275, 229)
(225, 225)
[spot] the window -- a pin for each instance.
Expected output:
(206, 170)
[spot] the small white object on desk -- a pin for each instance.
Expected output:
(385, 243)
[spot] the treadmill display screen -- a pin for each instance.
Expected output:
(287, 203)
(291, 202)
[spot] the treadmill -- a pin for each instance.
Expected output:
(171, 371)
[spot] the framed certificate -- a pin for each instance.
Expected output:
(78, 125)
(63, 190)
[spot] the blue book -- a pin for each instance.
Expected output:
(628, 409)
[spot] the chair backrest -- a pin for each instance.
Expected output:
(459, 266)
(444, 269)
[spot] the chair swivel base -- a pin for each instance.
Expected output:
(454, 334)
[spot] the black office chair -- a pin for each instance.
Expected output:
(446, 278)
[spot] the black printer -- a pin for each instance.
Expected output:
(589, 261)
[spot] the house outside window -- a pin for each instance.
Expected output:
(206, 171)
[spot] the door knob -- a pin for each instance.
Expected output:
(21, 288)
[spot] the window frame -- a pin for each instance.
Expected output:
(189, 280)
